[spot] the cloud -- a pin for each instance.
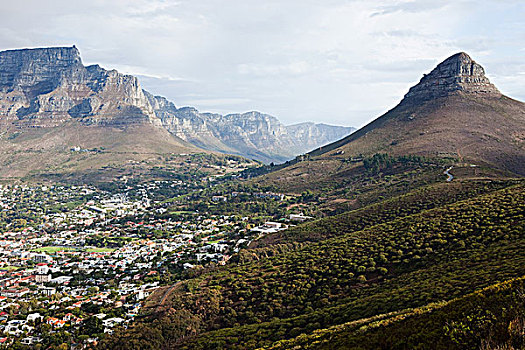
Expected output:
(293, 68)
(328, 61)
(218, 101)
(410, 6)
(148, 8)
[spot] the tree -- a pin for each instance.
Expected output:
(92, 325)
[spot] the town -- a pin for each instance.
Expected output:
(78, 261)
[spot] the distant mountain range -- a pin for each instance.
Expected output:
(50, 101)
(254, 135)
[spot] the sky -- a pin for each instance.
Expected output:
(342, 62)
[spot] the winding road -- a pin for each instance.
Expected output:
(447, 172)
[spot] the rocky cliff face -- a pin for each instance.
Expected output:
(457, 73)
(252, 134)
(45, 88)
(38, 71)
(312, 135)
(255, 133)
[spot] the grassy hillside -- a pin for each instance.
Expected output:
(387, 263)
(416, 201)
(344, 183)
(32, 151)
(478, 129)
(77, 153)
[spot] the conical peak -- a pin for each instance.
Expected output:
(460, 56)
(461, 64)
(459, 72)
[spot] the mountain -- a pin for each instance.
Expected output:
(254, 135)
(308, 134)
(51, 103)
(43, 87)
(452, 112)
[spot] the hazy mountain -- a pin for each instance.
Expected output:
(252, 134)
(51, 102)
(310, 133)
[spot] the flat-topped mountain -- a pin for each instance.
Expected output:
(41, 87)
(452, 112)
(49, 98)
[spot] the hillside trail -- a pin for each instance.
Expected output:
(166, 294)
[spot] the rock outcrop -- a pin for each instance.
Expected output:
(45, 88)
(457, 73)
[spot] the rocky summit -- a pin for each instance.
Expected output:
(50, 87)
(457, 73)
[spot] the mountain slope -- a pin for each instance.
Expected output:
(452, 112)
(458, 324)
(399, 263)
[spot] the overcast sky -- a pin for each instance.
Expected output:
(333, 61)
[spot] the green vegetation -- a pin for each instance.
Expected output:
(476, 320)
(382, 161)
(100, 250)
(414, 202)
(387, 262)
(51, 250)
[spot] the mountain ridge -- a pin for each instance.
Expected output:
(45, 87)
